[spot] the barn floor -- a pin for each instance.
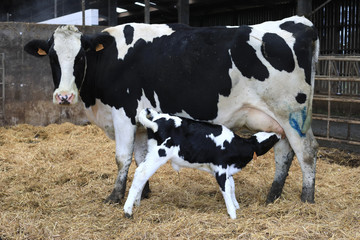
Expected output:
(53, 181)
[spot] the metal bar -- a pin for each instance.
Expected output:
(336, 99)
(336, 78)
(339, 58)
(329, 109)
(339, 120)
(338, 140)
(319, 7)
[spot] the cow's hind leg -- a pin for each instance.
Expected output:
(305, 148)
(140, 151)
(306, 154)
(283, 159)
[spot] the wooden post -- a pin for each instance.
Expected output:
(183, 11)
(147, 11)
(112, 16)
(83, 12)
(304, 8)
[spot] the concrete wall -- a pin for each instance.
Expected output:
(28, 80)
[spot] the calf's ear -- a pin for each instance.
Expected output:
(38, 48)
(97, 42)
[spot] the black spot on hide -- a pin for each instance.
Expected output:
(162, 153)
(128, 34)
(301, 98)
(277, 52)
(303, 47)
(244, 56)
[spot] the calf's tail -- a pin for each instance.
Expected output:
(265, 141)
(145, 118)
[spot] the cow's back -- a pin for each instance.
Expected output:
(211, 73)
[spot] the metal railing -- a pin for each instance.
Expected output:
(338, 82)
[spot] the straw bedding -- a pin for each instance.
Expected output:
(53, 181)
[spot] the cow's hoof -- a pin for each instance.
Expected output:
(307, 194)
(129, 216)
(274, 193)
(113, 198)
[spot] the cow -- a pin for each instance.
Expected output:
(259, 76)
(200, 145)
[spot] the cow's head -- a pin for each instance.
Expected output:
(67, 50)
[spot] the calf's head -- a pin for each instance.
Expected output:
(67, 50)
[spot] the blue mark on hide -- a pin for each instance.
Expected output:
(297, 121)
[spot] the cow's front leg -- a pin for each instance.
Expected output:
(283, 158)
(124, 140)
(140, 151)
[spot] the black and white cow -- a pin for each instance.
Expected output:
(259, 76)
(200, 145)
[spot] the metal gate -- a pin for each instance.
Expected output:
(337, 98)
(2, 86)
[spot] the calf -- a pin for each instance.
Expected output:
(204, 146)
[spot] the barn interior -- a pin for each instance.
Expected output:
(56, 169)
(336, 102)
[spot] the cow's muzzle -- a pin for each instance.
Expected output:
(64, 99)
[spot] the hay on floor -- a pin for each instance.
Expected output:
(53, 181)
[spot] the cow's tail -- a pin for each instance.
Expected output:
(145, 118)
(307, 122)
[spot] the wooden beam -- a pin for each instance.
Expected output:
(304, 8)
(183, 11)
(147, 11)
(112, 14)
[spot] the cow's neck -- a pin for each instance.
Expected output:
(88, 86)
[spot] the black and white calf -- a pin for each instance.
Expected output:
(204, 146)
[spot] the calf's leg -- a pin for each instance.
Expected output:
(142, 174)
(225, 188)
(233, 196)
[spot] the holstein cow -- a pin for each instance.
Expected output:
(193, 144)
(259, 76)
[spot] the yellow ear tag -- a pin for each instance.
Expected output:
(254, 156)
(41, 52)
(99, 47)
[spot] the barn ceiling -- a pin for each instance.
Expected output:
(132, 10)
(167, 9)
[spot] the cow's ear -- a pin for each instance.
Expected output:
(99, 41)
(38, 48)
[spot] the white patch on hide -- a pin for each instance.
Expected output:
(225, 136)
